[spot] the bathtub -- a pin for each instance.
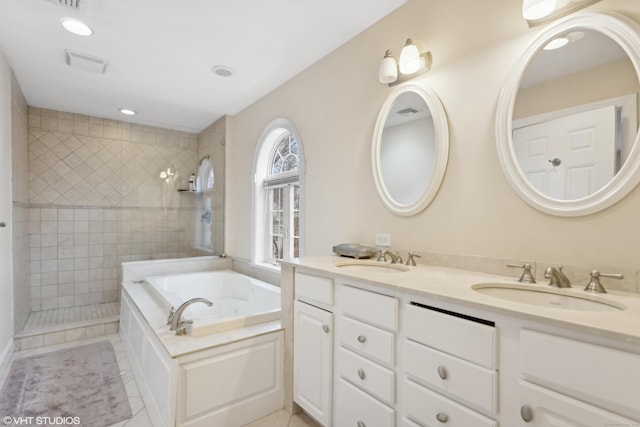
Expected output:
(238, 300)
(214, 379)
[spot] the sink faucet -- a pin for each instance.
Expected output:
(182, 326)
(395, 258)
(594, 284)
(556, 277)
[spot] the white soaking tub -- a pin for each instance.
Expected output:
(238, 300)
(215, 379)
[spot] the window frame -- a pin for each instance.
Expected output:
(261, 211)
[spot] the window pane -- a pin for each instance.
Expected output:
(285, 156)
(277, 248)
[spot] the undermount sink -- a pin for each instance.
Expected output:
(546, 297)
(372, 267)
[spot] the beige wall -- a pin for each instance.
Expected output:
(334, 105)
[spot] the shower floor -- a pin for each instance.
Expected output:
(68, 324)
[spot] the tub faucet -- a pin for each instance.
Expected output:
(556, 277)
(182, 326)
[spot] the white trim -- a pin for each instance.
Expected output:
(441, 148)
(627, 34)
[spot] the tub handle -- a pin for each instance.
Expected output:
(362, 339)
(172, 314)
(184, 327)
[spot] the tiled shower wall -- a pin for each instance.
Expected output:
(20, 198)
(96, 199)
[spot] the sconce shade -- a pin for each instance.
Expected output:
(537, 9)
(388, 71)
(409, 61)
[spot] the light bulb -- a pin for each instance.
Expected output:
(409, 61)
(388, 71)
(537, 9)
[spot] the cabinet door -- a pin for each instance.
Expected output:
(313, 360)
(545, 408)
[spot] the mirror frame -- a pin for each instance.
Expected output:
(626, 33)
(441, 149)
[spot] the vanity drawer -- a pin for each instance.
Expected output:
(377, 309)
(612, 378)
(471, 383)
(371, 377)
(432, 409)
(456, 334)
(314, 288)
(355, 408)
(366, 339)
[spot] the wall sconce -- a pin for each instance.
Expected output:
(414, 60)
(539, 11)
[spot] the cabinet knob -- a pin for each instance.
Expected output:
(325, 328)
(361, 374)
(443, 418)
(442, 372)
(361, 424)
(362, 338)
(526, 413)
(2, 225)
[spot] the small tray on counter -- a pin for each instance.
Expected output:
(354, 250)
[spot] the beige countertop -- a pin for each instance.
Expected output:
(455, 285)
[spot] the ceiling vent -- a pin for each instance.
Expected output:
(71, 4)
(82, 61)
(407, 111)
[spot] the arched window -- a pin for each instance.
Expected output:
(278, 194)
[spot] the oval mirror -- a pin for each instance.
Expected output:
(410, 148)
(566, 124)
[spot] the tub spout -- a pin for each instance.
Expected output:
(179, 325)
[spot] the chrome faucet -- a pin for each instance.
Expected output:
(182, 326)
(526, 277)
(411, 259)
(395, 258)
(594, 284)
(556, 277)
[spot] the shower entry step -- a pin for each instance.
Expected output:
(62, 325)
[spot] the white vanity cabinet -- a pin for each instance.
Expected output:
(574, 383)
(365, 380)
(313, 346)
(450, 367)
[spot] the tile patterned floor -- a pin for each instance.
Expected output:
(140, 417)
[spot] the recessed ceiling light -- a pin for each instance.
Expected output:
(127, 111)
(222, 71)
(76, 26)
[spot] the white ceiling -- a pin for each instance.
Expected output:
(160, 52)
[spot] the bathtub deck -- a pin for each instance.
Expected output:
(68, 324)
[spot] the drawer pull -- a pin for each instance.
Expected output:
(443, 418)
(362, 338)
(442, 372)
(526, 413)
(325, 328)
(361, 424)
(361, 374)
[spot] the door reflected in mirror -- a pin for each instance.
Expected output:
(410, 148)
(575, 115)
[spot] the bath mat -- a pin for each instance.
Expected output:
(75, 386)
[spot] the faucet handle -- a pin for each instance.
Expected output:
(594, 284)
(411, 259)
(398, 259)
(526, 277)
(172, 313)
(184, 327)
